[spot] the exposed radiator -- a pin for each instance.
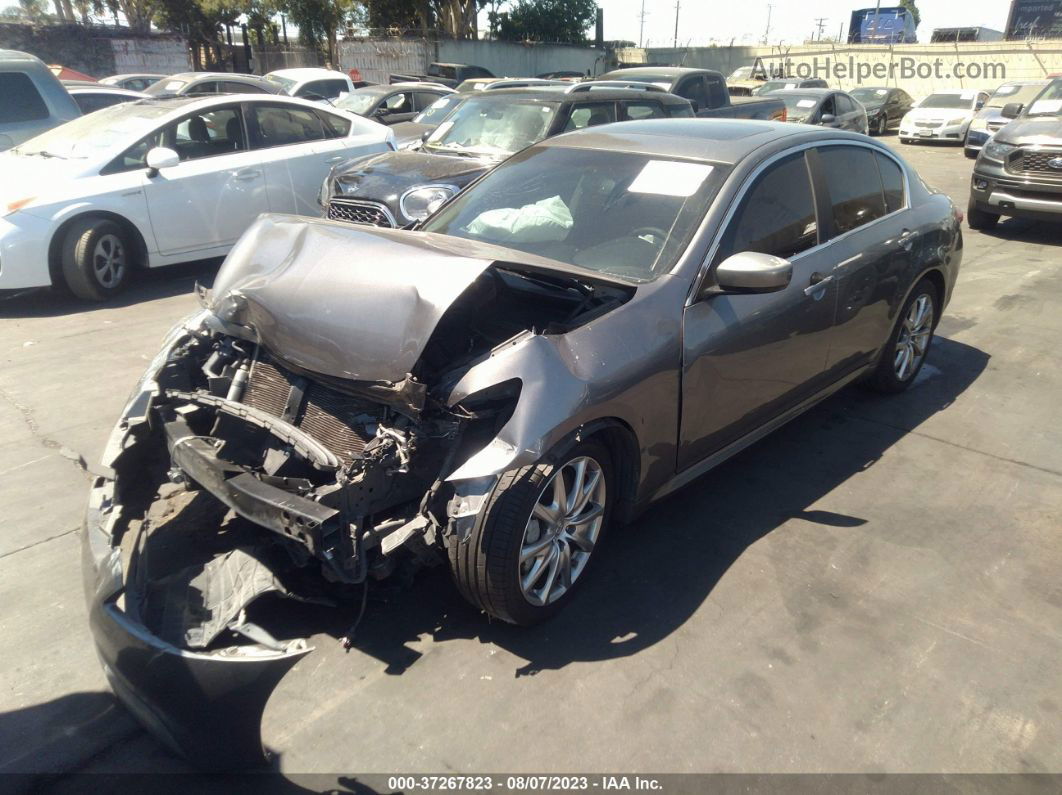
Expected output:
(341, 423)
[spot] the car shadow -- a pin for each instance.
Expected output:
(654, 574)
(1025, 230)
(146, 285)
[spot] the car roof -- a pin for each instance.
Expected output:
(127, 75)
(563, 93)
(18, 55)
(306, 73)
(726, 141)
(959, 91)
(652, 71)
(90, 88)
(236, 76)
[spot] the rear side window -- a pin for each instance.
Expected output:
(680, 111)
(854, 185)
(276, 125)
(777, 215)
(335, 126)
(232, 87)
(21, 100)
(590, 115)
(207, 87)
(644, 110)
(425, 99)
(94, 101)
(891, 181)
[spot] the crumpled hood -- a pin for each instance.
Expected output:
(390, 173)
(1043, 130)
(346, 301)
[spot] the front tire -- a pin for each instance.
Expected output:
(882, 126)
(908, 345)
(533, 543)
(95, 259)
(979, 219)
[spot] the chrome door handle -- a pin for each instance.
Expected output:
(248, 174)
(817, 281)
(906, 239)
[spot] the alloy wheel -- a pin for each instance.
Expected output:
(108, 261)
(914, 337)
(562, 531)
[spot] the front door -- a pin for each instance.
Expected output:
(215, 192)
(748, 358)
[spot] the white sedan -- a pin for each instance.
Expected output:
(158, 182)
(942, 116)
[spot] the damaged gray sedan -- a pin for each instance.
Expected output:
(600, 320)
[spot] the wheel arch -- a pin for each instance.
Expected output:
(55, 247)
(622, 443)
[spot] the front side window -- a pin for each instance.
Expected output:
(359, 102)
(21, 100)
(218, 131)
(399, 103)
(622, 213)
(854, 184)
(777, 215)
(280, 125)
(425, 99)
(692, 88)
(644, 110)
(590, 115)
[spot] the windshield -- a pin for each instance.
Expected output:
(870, 95)
(799, 107)
(99, 132)
(775, 85)
(493, 127)
(437, 111)
(1006, 94)
(359, 101)
(284, 83)
(963, 101)
(625, 214)
(1049, 102)
(165, 86)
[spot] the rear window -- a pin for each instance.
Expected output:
(448, 72)
(21, 100)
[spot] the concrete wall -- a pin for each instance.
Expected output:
(97, 51)
(920, 69)
(377, 58)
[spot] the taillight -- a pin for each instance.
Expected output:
(782, 116)
(959, 215)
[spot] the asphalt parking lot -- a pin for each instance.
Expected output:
(873, 588)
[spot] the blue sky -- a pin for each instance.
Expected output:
(708, 21)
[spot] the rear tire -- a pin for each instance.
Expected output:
(979, 219)
(518, 530)
(95, 259)
(970, 153)
(908, 345)
(882, 126)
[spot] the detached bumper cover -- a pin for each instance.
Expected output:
(205, 706)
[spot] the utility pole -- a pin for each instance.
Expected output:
(675, 44)
(641, 26)
(767, 32)
(820, 23)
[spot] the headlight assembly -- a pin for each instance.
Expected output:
(979, 124)
(997, 150)
(420, 202)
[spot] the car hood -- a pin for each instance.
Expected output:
(409, 131)
(390, 173)
(353, 302)
(36, 176)
(1046, 130)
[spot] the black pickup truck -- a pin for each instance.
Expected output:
(705, 89)
(447, 74)
(1019, 170)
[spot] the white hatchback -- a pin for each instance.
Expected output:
(157, 182)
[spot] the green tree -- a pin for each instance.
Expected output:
(319, 21)
(564, 21)
(911, 6)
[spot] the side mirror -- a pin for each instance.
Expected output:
(159, 158)
(383, 110)
(979, 105)
(828, 118)
(752, 272)
(1012, 110)
(426, 134)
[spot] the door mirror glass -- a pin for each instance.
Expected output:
(753, 272)
(160, 157)
(1012, 110)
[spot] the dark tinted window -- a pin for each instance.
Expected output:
(279, 125)
(854, 185)
(590, 115)
(680, 111)
(892, 181)
(828, 106)
(233, 87)
(335, 126)
(844, 105)
(777, 216)
(329, 89)
(399, 103)
(206, 87)
(218, 131)
(424, 100)
(20, 102)
(91, 102)
(692, 88)
(717, 94)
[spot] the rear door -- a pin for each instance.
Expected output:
(216, 191)
(749, 358)
(868, 214)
